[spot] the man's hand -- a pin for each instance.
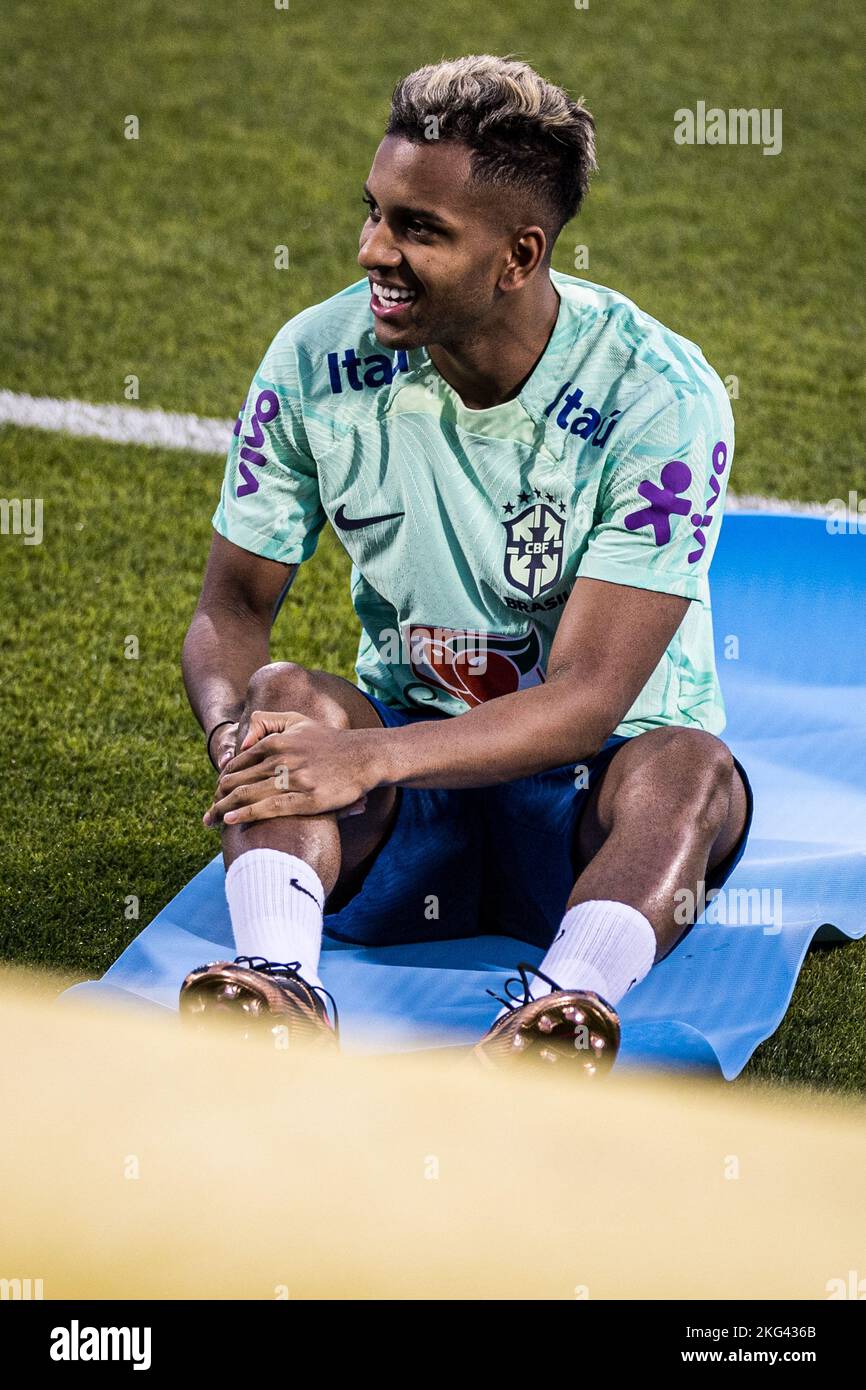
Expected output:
(289, 765)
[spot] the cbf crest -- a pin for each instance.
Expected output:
(534, 548)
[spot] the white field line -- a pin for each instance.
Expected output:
(121, 424)
(165, 429)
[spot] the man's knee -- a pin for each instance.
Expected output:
(687, 770)
(678, 772)
(285, 685)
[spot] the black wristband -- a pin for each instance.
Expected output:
(211, 734)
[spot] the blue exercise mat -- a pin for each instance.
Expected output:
(790, 626)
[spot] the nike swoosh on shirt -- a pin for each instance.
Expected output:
(346, 523)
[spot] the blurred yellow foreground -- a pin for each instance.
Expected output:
(136, 1162)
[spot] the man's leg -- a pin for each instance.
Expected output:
(280, 872)
(329, 846)
(669, 807)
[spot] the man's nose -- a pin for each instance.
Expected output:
(377, 248)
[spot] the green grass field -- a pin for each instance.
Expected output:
(155, 257)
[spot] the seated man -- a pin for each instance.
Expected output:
(529, 475)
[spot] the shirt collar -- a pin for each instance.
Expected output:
(535, 394)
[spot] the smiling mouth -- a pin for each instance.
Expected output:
(389, 301)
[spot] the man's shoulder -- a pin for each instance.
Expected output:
(637, 353)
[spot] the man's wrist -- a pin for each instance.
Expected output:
(378, 748)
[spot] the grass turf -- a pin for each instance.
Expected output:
(155, 257)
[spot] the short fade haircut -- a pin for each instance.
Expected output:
(524, 133)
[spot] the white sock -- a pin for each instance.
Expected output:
(276, 903)
(604, 946)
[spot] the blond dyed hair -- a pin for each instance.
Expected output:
(525, 133)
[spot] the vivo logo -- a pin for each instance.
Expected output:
(267, 408)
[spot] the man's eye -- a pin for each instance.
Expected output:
(370, 205)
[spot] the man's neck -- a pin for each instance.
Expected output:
(494, 368)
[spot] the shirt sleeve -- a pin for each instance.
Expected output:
(661, 498)
(270, 502)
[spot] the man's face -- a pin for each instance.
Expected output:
(429, 233)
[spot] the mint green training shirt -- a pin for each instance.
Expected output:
(468, 528)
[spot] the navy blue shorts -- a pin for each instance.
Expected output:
(480, 861)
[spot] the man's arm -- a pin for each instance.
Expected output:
(642, 567)
(229, 635)
(609, 641)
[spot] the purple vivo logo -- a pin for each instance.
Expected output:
(664, 502)
(701, 520)
(666, 499)
(267, 409)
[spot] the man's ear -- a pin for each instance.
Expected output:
(528, 251)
